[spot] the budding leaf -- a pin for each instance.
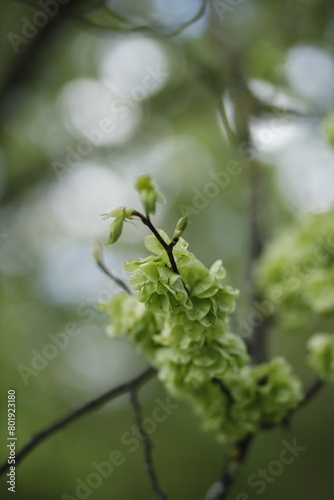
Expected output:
(115, 230)
(148, 193)
(181, 226)
(124, 212)
(97, 251)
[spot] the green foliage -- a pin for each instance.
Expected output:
(148, 193)
(321, 357)
(120, 214)
(181, 226)
(180, 321)
(256, 397)
(296, 272)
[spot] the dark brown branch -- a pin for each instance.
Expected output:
(235, 458)
(167, 247)
(224, 389)
(238, 452)
(147, 445)
(86, 408)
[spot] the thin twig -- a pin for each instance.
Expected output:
(97, 252)
(86, 408)
(310, 393)
(147, 445)
(148, 29)
(83, 12)
(167, 247)
(117, 280)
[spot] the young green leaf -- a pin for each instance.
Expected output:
(115, 230)
(181, 226)
(125, 212)
(148, 193)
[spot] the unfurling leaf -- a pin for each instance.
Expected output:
(124, 212)
(97, 251)
(181, 226)
(115, 230)
(148, 193)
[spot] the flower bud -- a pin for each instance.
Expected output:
(181, 226)
(115, 230)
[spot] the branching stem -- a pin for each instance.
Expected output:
(238, 452)
(147, 445)
(167, 247)
(86, 408)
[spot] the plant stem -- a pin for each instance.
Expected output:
(86, 408)
(167, 247)
(147, 445)
(235, 458)
(117, 280)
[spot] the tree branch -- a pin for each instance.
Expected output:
(238, 452)
(97, 252)
(148, 29)
(147, 444)
(311, 392)
(117, 280)
(86, 408)
(167, 247)
(235, 458)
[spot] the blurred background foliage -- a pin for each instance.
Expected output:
(58, 174)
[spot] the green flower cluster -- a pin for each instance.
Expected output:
(132, 319)
(257, 396)
(296, 272)
(321, 355)
(180, 321)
